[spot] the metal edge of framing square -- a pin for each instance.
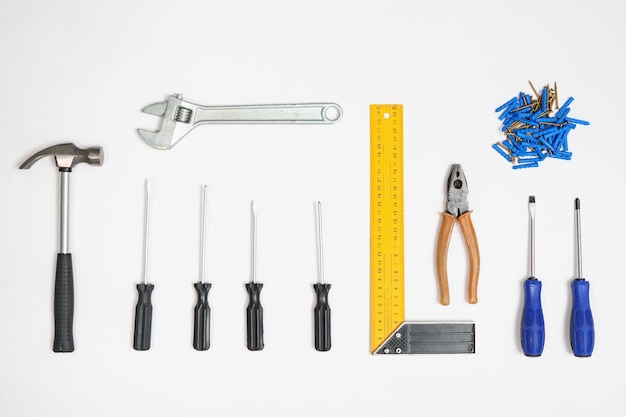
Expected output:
(431, 338)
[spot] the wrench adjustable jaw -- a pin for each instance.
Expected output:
(180, 116)
(177, 122)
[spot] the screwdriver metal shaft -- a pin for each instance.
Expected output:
(321, 312)
(533, 328)
(143, 310)
(254, 311)
(582, 331)
(202, 311)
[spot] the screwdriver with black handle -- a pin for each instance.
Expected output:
(533, 327)
(143, 310)
(582, 330)
(321, 311)
(254, 311)
(202, 310)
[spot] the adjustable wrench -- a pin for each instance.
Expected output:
(180, 116)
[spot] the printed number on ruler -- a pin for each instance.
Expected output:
(386, 221)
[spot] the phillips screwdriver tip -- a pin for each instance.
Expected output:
(577, 203)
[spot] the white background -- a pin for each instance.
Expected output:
(75, 71)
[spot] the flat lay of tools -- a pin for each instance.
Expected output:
(534, 128)
(180, 116)
(457, 209)
(66, 156)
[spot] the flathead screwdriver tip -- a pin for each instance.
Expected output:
(531, 206)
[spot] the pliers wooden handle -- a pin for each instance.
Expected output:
(457, 209)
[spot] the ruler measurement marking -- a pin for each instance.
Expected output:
(386, 222)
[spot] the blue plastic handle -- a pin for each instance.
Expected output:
(582, 332)
(533, 331)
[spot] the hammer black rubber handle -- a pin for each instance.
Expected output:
(254, 316)
(322, 318)
(202, 318)
(63, 305)
(143, 317)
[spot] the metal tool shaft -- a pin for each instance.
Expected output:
(531, 209)
(254, 244)
(146, 244)
(269, 113)
(320, 244)
(204, 233)
(64, 210)
(579, 251)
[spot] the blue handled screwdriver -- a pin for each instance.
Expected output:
(582, 332)
(533, 330)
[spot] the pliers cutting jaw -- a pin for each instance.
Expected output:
(457, 208)
(457, 192)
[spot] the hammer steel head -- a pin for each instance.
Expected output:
(67, 155)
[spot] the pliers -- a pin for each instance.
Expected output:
(457, 209)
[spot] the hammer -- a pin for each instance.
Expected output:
(66, 155)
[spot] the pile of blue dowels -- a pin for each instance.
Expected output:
(535, 128)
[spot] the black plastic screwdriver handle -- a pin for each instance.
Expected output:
(254, 317)
(63, 305)
(143, 317)
(202, 318)
(322, 318)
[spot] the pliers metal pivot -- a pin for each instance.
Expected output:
(457, 209)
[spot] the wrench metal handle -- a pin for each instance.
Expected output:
(180, 117)
(270, 113)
